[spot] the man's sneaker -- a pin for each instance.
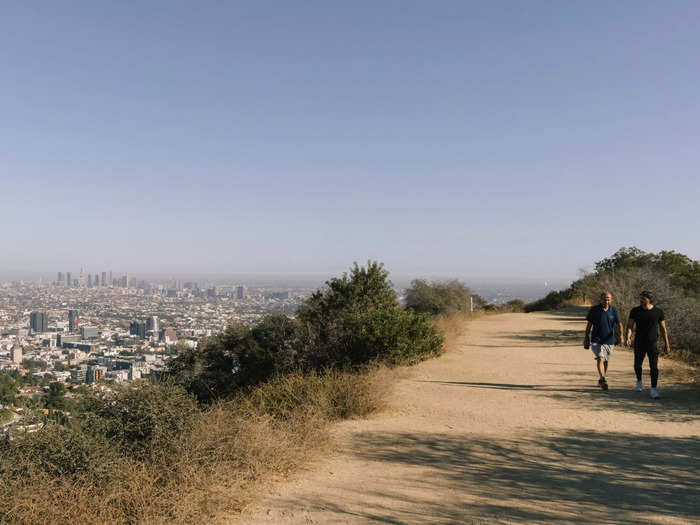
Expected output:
(638, 387)
(654, 393)
(603, 383)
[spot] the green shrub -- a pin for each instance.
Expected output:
(437, 298)
(141, 419)
(354, 320)
(552, 301)
(58, 452)
(222, 364)
(357, 319)
(515, 305)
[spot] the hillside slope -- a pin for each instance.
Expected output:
(510, 427)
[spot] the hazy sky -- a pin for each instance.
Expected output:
(458, 138)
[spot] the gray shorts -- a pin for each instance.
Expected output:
(602, 351)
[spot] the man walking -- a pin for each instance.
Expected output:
(602, 319)
(647, 318)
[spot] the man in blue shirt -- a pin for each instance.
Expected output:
(603, 319)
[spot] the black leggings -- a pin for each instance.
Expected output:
(653, 353)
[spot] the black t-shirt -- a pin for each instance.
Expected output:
(647, 324)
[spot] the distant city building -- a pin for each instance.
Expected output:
(16, 354)
(72, 320)
(49, 342)
(38, 322)
(104, 279)
(89, 281)
(89, 332)
(68, 281)
(59, 278)
(79, 375)
(95, 373)
(152, 324)
(240, 292)
(278, 295)
(138, 328)
(81, 280)
(169, 336)
(125, 281)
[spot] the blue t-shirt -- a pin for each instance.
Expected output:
(603, 324)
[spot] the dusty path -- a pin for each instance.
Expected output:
(509, 428)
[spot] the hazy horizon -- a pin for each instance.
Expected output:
(474, 140)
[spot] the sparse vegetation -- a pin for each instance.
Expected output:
(244, 405)
(438, 298)
(673, 278)
(148, 454)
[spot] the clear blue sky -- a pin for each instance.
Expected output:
(445, 138)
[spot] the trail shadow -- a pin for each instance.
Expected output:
(549, 338)
(679, 402)
(571, 477)
(573, 313)
(500, 386)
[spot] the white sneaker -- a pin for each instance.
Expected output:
(638, 387)
(654, 393)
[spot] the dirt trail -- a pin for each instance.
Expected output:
(509, 428)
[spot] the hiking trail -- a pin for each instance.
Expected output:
(509, 427)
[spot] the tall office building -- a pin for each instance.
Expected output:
(38, 322)
(138, 328)
(125, 281)
(89, 281)
(73, 320)
(104, 279)
(81, 279)
(111, 282)
(153, 324)
(59, 278)
(240, 292)
(68, 281)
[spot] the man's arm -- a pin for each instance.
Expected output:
(664, 331)
(621, 333)
(587, 337)
(630, 324)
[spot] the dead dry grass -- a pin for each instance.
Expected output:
(453, 327)
(214, 470)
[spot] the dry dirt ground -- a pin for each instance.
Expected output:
(509, 427)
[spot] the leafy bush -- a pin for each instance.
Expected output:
(142, 419)
(552, 301)
(59, 452)
(354, 320)
(515, 305)
(357, 319)
(223, 363)
(437, 298)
